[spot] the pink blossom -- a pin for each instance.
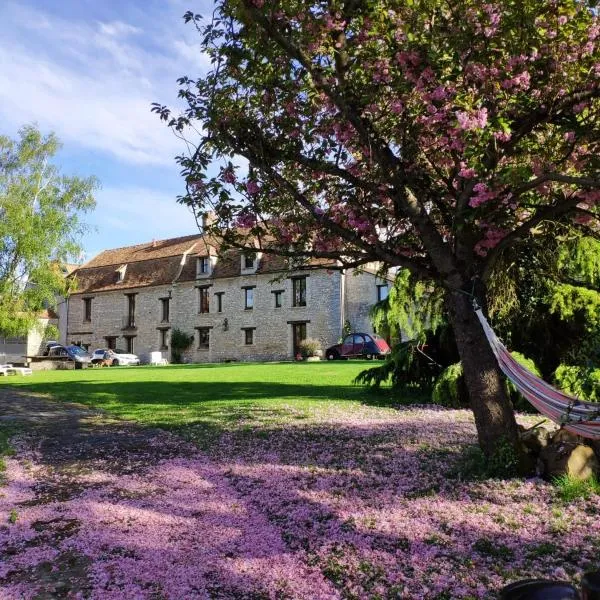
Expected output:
(228, 175)
(502, 136)
(482, 194)
(252, 187)
(467, 173)
(397, 107)
(469, 121)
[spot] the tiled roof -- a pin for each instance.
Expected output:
(159, 263)
(157, 271)
(148, 251)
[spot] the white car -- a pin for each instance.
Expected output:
(116, 357)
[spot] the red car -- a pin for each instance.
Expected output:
(359, 345)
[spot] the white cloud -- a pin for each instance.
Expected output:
(118, 29)
(92, 82)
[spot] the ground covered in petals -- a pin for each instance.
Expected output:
(331, 500)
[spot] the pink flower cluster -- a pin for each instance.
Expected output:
(482, 194)
(491, 238)
(472, 120)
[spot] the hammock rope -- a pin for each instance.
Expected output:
(575, 415)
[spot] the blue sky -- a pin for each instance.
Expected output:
(89, 70)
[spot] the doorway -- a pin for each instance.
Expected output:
(298, 335)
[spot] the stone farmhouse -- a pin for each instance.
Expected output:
(237, 306)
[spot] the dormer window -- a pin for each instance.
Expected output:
(249, 261)
(203, 265)
(121, 273)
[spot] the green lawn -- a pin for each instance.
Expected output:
(212, 397)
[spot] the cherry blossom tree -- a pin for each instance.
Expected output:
(424, 134)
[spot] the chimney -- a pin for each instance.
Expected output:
(208, 218)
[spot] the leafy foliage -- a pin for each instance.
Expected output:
(180, 342)
(411, 309)
(579, 381)
(546, 301)
(414, 365)
(39, 227)
(569, 488)
(309, 347)
(449, 389)
(406, 368)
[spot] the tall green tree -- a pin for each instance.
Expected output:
(40, 226)
(429, 135)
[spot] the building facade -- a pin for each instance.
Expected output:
(236, 306)
(16, 349)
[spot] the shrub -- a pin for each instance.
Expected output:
(579, 381)
(309, 347)
(180, 341)
(406, 367)
(450, 389)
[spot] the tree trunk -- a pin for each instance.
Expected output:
(494, 415)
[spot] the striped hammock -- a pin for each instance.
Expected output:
(578, 417)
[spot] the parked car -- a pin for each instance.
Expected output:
(49, 344)
(117, 357)
(75, 353)
(359, 345)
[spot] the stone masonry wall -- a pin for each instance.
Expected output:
(361, 295)
(109, 318)
(273, 328)
(272, 333)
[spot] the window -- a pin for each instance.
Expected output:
(130, 310)
(299, 291)
(87, 309)
(248, 298)
(129, 341)
(382, 291)
(111, 342)
(203, 338)
(249, 260)
(163, 341)
(219, 296)
(204, 300)
(165, 309)
(203, 267)
(249, 335)
(278, 298)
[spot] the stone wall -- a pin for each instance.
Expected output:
(272, 326)
(109, 318)
(360, 296)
